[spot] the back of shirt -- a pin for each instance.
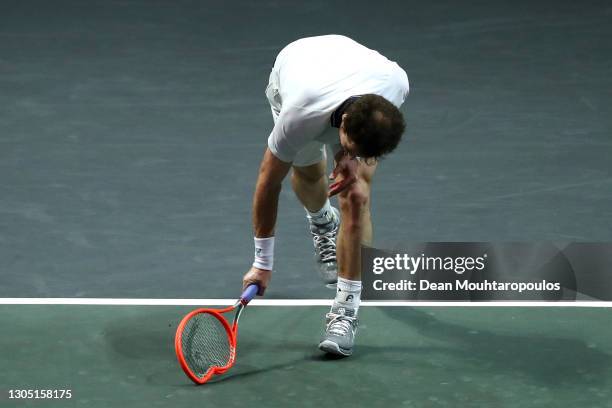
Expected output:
(317, 74)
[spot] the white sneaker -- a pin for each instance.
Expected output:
(340, 333)
(324, 241)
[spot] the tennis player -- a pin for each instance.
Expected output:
(328, 90)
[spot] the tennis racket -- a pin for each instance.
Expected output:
(205, 342)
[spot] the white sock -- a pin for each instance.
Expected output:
(348, 296)
(323, 216)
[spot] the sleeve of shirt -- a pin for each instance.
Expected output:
(403, 85)
(294, 128)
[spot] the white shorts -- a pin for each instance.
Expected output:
(314, 151)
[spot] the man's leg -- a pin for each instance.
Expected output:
(356, 228)
(310, 185)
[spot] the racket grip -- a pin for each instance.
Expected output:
(249, 293)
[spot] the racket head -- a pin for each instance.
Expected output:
(205, 344)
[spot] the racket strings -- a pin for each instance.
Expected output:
(205, 343)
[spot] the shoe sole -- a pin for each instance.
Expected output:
(332, 348)
(328, 279)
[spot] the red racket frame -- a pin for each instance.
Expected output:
(231, 335)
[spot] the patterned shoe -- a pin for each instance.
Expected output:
(324, 240)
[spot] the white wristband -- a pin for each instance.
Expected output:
(264, 253)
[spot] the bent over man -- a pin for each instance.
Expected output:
(328, 90)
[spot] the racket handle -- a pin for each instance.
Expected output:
(249, 293)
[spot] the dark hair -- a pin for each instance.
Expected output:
(375, 125)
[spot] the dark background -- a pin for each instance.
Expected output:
(131, 133)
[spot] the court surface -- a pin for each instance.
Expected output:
(130, 135)
(414, 357)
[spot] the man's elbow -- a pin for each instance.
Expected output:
(267, 185)
(272, 171)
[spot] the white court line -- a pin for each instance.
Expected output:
(284, 302)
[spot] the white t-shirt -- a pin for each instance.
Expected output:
(315, 75)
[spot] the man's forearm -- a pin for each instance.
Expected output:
(265, 208)
(265, 200)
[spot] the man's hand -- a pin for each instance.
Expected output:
(259, 276)
(344, 174)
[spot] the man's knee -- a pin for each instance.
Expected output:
(309, 174)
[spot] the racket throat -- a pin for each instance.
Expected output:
(239, 309)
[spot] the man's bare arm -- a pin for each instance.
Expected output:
(272, 171)
(265, 206)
